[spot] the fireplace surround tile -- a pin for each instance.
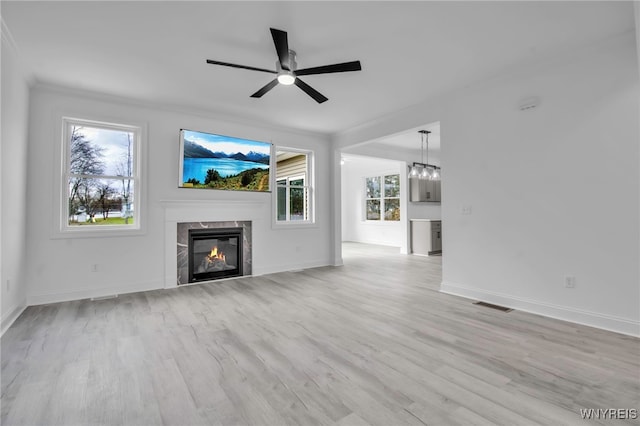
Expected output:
(183, 242)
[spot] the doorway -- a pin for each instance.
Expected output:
(379, 159)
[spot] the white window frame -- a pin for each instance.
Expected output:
(382, 198)
(309, 185)
(288, 187)
(61, 228)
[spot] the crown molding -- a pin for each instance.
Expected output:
(7, 37)
(47, 87)
(8, 42)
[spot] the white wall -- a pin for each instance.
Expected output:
(59, 269)
(354, 226)
(13, 155)
(636, 10)
(554, 191)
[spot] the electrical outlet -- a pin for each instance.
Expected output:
(8, 286)
(570, 281)
(466, 209)
(94, 267)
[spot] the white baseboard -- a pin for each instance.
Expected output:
(565, 313)
(9, 318)
(78, 294)
(273, 269)
(374, 242)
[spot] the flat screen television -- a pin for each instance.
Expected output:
(211, 161)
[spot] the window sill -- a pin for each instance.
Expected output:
(98, 233)
(381, 222)
(294, 225)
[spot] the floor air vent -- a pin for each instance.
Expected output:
(111, 296)
(492, 306)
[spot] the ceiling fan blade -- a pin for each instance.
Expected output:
(319, 97)
(282, 47)
(273, 83)
(245, 67)
(327, 69)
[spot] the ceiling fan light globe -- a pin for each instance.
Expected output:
(286, 79)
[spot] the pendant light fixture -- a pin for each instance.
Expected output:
(433, 172)
(435, 175)
(424, 170)
(425, 173)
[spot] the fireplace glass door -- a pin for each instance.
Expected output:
(214, 254)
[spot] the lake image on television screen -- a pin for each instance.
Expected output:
(224, 162)
(196, 168)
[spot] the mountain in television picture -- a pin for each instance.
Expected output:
(252, 156)
(195, 150)
(257, 157)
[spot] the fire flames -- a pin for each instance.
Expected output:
(216, 255)
(214, 261)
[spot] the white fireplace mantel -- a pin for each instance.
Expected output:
(205, 210)
(178, 211)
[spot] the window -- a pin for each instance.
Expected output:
(100, 176)
(383, 198)
(294, 186)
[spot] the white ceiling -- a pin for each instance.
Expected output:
(410, 51)
(411, 140)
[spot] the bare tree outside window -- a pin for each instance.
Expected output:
(85, 159)
(100, 174)
(125, 169)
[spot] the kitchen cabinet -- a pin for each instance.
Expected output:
(423, 190)
(426, 236)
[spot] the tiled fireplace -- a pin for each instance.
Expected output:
(213, 250)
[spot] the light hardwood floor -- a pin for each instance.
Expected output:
(369, 343)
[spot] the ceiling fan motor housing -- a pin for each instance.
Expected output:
(287, 77)
(293, 65)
